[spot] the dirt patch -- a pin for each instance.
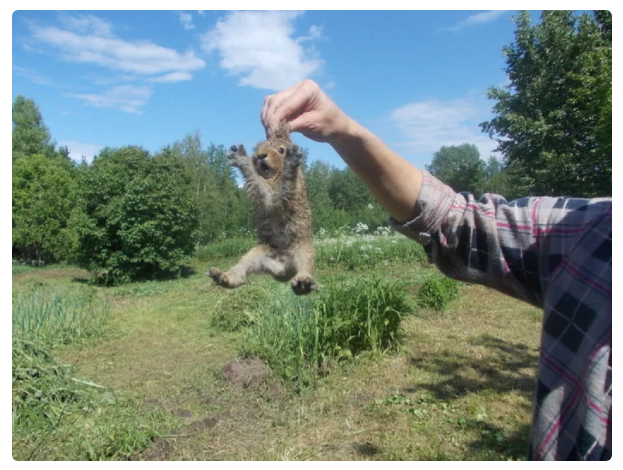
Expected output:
(275, 390)
(246, 372)
(179, 413)
(206, 423)
(161, 450)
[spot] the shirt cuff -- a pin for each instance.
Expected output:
(432, 207)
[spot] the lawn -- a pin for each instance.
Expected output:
(165, 374)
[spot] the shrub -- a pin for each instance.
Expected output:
(140, 215)
(436, 293)
(298, 336)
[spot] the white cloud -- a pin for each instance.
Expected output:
(476, 19)
(141, 57)
(87, 24)
(187, 21)
(429, 124)
(31, 75)
(128, 98)
(172, 77)
(89, 40)
(259, 47)
(77, 150)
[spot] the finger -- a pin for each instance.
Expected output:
(265, 107)
(287, 104)
(270, 103)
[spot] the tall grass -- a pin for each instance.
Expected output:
(298, 337)
(225, 248)
(55, 315)
(42, 388)
(368, 252)
(46, 396)
(350, 251)
(59, 417)
(437, 292)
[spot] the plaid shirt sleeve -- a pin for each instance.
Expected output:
(555, 253)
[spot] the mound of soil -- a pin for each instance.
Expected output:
(245, 372)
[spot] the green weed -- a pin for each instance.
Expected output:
(298, 337)
(437, 292)
(235, 308)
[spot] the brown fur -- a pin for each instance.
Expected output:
(274, 180)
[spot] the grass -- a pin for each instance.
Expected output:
(459, 387)
(58, 315)
(437, 292)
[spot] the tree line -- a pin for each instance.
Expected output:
(132, 215)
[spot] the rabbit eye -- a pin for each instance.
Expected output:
(281, 149)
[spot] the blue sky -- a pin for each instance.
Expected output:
(111, 78)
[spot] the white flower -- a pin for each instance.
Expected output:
(359, 228)
(370, 206)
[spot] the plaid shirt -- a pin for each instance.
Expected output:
(555, 253)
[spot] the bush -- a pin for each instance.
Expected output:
(298, 336)
(436, 293)
(140, 216)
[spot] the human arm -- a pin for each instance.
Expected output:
(504, 245)
(392, 180)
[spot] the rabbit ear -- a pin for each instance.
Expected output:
(282, 132)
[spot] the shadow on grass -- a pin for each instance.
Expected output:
(511, 366)
(493, 443)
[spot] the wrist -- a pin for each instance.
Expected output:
(347, 134)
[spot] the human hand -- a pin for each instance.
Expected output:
(309, 111)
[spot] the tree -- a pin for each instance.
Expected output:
(30, 134)
(45, 195)
(222, 206)
(139, 217)
(324, 213)
(497, 180)
(459, 166)
(553, 120)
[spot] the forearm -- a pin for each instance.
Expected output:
(393, 181)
